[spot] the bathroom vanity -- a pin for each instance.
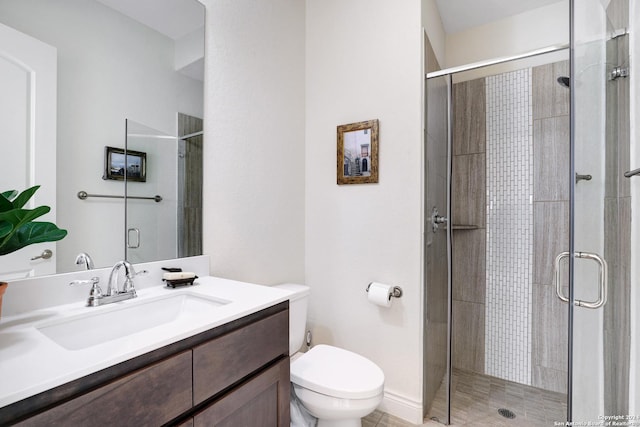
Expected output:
(222, 365)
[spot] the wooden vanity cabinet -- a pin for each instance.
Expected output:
(151, 396)
(262, 400)
(262, 395)
(234, 375)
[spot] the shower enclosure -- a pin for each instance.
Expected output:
(168, 226)
(525, 163)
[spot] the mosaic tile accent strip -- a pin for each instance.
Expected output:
(509, 247)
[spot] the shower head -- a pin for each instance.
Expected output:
(564, 81)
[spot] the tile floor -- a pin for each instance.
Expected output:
(475, 402)
(476, 399)
(381, 419)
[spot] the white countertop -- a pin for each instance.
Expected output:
(31, 363)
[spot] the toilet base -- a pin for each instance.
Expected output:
(333, 411)
(340, 423)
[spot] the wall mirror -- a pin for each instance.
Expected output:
(164, 213)
(81, 75)
(358, 153)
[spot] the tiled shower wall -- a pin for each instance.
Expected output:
(190, 183)
(617, 220)
(509, 226)
(551, 224)
(510, 169)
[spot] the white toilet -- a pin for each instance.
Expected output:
(336, 386)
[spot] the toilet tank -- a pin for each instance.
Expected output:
(298, 303)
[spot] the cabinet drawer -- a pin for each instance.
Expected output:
(151, 396)
(231, 357)
(263, 401)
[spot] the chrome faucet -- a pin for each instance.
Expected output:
(127, 288)
(84, 258)
(96, 297)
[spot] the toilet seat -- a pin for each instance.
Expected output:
(337, 373)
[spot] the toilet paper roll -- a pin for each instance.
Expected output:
(380, 294)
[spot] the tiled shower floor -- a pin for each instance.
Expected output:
(476, 399)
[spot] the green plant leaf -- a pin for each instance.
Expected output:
(17, 226)
(5, 200)
(33, 232)
(5, 228)
(9, 195)
(24, 197)
(19, 217)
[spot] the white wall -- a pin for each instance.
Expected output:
(265, 176)
(432, 24)
(516, 34)
(509, 36)
(189, 49)
(254, 153)
(131, 63)
(364, 62)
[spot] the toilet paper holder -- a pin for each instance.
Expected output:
(396, 291)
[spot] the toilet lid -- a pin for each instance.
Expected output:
(338, 373)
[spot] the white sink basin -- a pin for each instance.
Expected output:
(124, 318)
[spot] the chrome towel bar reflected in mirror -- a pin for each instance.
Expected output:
(82, 195)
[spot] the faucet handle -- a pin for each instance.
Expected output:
(128, 281)
(92, 281)
(128, 286)
(95, 291)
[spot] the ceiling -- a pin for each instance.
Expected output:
(173, 18)
(459, 15)
(176, 18)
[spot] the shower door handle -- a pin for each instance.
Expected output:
(136, 234)
(602, 279)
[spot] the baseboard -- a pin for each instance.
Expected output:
(401, 407)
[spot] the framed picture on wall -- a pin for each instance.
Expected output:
(116, 164)
(357, 161)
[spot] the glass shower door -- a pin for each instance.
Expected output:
(598, 290)
(437, 249)
(151, 199)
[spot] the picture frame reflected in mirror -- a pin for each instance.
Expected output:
(114, 164)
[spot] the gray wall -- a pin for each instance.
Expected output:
(617, 224)
(468, 210)
(190, 184)
(551, 224)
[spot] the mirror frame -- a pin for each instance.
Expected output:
(373, 127)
